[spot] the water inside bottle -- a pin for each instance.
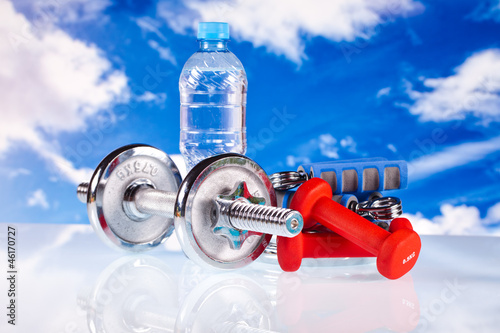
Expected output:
(213, 109)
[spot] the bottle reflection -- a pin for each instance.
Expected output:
(141, 294)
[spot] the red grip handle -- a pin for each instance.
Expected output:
(330, 245)
(349, 225)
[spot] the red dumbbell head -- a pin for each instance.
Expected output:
(399, 253)
(290, 252)
(305, 198)
(400, 223)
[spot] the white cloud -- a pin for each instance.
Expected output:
(487, 10)
(280, 25)
(392, 148)
(493, 215)
(60, 165)
(452, 157)
(328, 146)
(82, 10)
(52, 84)
(384, 92)
(149, 25)
(165, 52)
(473, 89)
(458, 220)
(19, 172)
(293, 161)
(179, 17)
(149, 97)
(38, 199)
(348, 144)
(47, 13)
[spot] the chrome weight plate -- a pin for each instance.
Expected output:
(196, 211)
(107, 189)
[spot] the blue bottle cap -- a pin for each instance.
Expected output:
(213, 30)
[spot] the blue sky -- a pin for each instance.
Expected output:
(418, 81)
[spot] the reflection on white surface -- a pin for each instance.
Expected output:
(140, 294)
(319, 305)
(133, 294)
(70, 282)
(227, 303)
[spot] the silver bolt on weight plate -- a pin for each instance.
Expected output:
(216, 224)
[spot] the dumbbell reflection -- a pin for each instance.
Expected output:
(361, 303)
(140, 294)
(227, 303)
(133, 294)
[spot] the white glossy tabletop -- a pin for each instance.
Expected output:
(68, 281)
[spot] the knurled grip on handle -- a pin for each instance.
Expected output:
(396, 252)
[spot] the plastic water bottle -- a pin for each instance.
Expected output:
(213, 94)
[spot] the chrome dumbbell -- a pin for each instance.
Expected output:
(223, 210)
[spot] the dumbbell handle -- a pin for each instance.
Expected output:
(329, 245)
(141, 201)
(164, 321)
(82, 191)
(155, 202)
(349, 225)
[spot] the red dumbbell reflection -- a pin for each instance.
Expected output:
(325, 305)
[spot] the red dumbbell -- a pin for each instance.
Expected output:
(291, 250)
(396, 252)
